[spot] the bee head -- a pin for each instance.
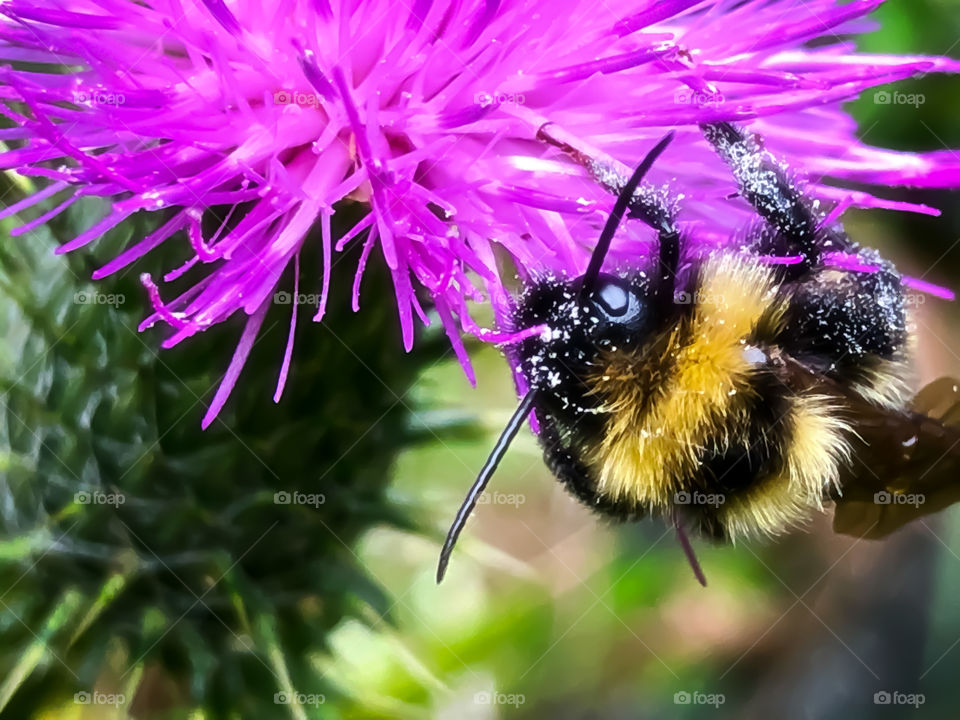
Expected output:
(615, 314)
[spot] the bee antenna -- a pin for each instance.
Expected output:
(616, 215)
(688, 551)
(480, 484)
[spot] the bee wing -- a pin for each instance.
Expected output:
(905, 465)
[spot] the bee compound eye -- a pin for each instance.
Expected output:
(613, 299)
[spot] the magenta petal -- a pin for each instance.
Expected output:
(929, 288)
(153, 240)
(31, 200)
(247, 339)
(453, 332)
(288, 351)
(326, 239)
(94, 232)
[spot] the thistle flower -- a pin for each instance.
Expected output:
(243, 125)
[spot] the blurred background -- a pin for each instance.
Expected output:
(196, 593)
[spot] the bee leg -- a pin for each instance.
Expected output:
(657, 210)
(765, 183)
(655, 207)
(626, 198)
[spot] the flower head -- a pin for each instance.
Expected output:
(261, 120)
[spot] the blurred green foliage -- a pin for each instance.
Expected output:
(142, 556)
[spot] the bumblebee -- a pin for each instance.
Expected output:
(719, 392)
